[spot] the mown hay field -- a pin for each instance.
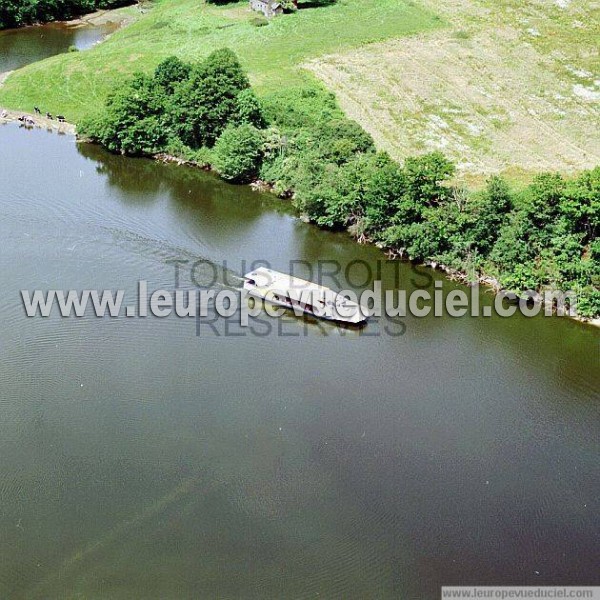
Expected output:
(509, 87)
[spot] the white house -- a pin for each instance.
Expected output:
(269, 8)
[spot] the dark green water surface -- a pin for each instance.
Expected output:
(19, 47)
(140, 460)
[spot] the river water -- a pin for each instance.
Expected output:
(162, 458)
(20, 47)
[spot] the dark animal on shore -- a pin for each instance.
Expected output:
(36, 110)
(49, 116)
(21, 119)
(60, 118)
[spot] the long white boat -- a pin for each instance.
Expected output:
(303, 296)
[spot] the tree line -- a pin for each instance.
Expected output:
(299, 142)
(16, 13)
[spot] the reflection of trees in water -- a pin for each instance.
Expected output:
(213, 206)
(135, 178)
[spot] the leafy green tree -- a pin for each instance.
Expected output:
(206, 101)
(426, 175)
(337, 198)
(249, 109)
(487, 214)
(386, 184)
(581, 203)
(133, 123)
(237, 153)
(171, 72)
(542, 199)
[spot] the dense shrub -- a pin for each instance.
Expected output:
(298, 107)
(259, 21)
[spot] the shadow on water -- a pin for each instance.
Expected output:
(136, 181)
(209, 209)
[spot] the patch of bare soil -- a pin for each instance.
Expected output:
(117, 17)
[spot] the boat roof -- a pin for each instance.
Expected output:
(270, 280)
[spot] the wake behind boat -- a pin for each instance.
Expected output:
(303, 296)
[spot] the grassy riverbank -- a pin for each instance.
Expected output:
(500, 87)
(76, 84)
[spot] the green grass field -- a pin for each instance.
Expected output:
(76, 84)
